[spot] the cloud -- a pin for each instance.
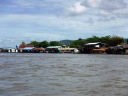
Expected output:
(38, 27)
(78, 8)
(114, 8)
(26, 20)
(112, 5)
(91, 3)
(46, 27)
(102, 9)
(108, 5)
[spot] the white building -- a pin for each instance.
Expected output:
(12, 50)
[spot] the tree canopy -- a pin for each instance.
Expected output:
(45, 44)
(109, 40)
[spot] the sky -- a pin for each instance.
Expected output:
(28, 20)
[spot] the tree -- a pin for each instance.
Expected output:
(22, 45)
(105, 39)
(109, 40)
(35, 43)
(78, 43)
(54, 43)
(93, 39)
(43, 44)
(115, 40)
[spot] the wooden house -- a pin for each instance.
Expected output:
(91, 47)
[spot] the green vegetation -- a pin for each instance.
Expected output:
(45, 44)
(108, 40)
(54, 43)
(35, 43)
(78, 43)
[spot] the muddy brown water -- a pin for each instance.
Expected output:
(63, 75)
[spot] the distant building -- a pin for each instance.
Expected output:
(1, 49)
(60, 49)
(12, 50)
(125, 48)
(53, 49)
(8, 50)
(89, 47)
(25, 48)
(69, 50)
(38, 50)
(99, 50)
(25, 45)
(28, 48)
(116, 50)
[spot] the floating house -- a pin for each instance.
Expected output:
(120, 49)
(8, 50)
(93, 47)
(38, 50)
(125, 48)
(60, 49)
(23, 48)
(115, 50)
(69, 50)
(53, 49)
(12, 50)
(1, 49)
(99, 51)
(28, 50)
(32, 50)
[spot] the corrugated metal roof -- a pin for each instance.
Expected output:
(93, 43)
(54, 47)
(28, 48)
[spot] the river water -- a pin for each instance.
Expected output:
(63, 75)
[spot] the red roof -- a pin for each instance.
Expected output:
(23, 45)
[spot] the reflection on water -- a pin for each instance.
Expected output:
(63, 75)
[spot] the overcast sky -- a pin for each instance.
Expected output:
(27, 20)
